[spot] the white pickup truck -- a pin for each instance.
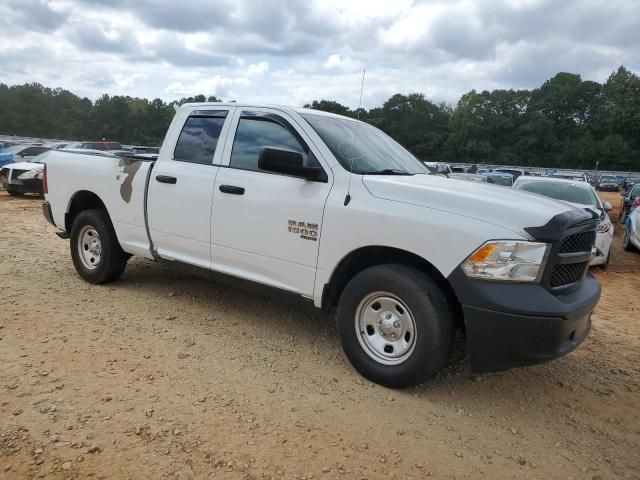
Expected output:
(334, 210)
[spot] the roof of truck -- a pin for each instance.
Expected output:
(299, 110)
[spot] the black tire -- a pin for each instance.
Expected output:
(434, 324)
(112, 259)
(13, 192)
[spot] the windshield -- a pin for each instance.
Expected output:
(561, 191)
(374, 151)
(608, 179)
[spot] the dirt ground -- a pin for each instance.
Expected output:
(165, 375)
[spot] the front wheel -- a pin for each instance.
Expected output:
(395, 325)
(95, 250)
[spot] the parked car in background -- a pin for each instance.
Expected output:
(468, 177)
(630, 182)
(439, 168)
(514, 172)
(24, 177)
(57, 145)
(95, 145)
(631, 239)
(20, 153)
(500, 178)
(6, 144)
(137, 149)
(581, 195)
(579, 176)
(627, 200)
(483, 171)
(607, 183)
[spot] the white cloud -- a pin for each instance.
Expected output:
(259, 68)
(286, 51)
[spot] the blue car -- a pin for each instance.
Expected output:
(20, 153)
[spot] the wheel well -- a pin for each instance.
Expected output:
(366, 257)
(81, 201)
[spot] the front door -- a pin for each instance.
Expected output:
(266, 226)
(181, 187)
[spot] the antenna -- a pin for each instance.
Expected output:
(347, 199)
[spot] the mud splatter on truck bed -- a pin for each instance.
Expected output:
(129, 170)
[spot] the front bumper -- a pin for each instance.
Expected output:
(33, 185)
(517, 324)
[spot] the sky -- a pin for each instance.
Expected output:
(294, 51)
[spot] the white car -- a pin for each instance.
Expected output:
(23, 177)
(582, 195)
(631, 240)
(293, 199)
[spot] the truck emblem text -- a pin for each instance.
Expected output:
(307, 231)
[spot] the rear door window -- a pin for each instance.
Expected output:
(199, 137)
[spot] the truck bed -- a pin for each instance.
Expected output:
(119, 182)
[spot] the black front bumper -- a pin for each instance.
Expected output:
(33, 185)
(517, 324)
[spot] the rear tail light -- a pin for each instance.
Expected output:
(45, 187)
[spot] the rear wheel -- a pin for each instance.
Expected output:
(395, 325)
(95, 250)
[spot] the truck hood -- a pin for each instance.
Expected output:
(26, 166)
(503, 206)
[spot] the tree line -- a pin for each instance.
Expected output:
(565, 123)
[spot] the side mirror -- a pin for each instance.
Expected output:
(288, 162)
(606, 206)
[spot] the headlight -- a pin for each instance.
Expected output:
(30, 174)
(516, 261)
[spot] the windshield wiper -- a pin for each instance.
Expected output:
(386, 171)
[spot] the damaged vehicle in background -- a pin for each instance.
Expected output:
(24, 177)
(582, 195)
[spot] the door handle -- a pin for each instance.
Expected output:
(166, 179)
(232, 189)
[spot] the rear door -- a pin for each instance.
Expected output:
(181, 187)
(267, 226)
